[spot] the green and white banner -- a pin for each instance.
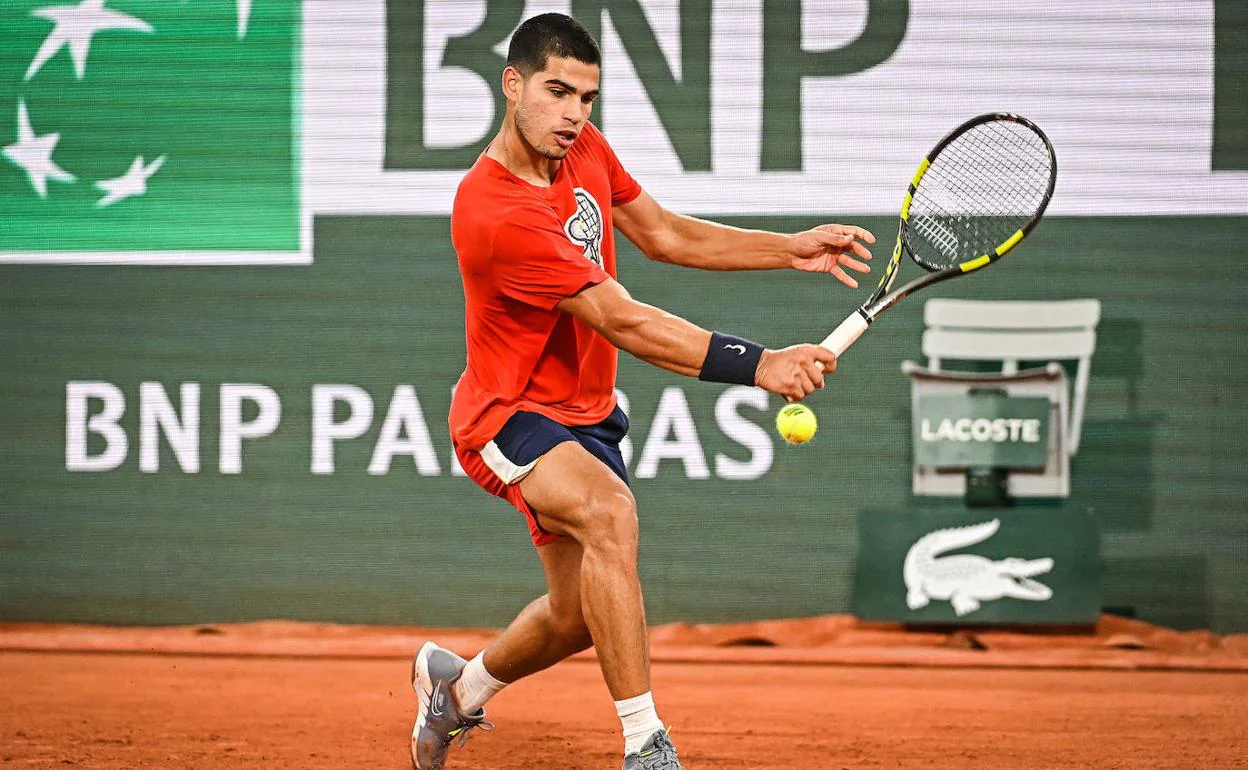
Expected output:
(784, 107)
(151, 132)
(213, 131)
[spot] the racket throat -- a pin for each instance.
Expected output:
(847, 333)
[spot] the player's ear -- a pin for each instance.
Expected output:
(513, 81)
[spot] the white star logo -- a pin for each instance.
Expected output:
(244, 14)
(75, 26)
(33, 154)
(129, 184)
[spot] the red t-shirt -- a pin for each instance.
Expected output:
(522, 249)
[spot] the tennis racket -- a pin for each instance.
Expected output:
(975, 197)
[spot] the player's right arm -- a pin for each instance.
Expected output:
(673, 343)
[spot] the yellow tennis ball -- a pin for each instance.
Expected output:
(796, 423)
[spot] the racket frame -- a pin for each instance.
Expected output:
(852, 327)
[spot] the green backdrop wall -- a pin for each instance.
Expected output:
(1162, 463)
(230, 318)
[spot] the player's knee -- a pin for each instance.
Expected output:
(609, 522)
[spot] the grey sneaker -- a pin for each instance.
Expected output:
(438, 721)
(657, 754)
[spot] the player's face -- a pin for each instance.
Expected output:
(553, 105)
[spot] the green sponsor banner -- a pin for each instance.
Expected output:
(242, 442)
(981, 429)
(984, 566)
(149, 131)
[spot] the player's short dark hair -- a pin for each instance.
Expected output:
(547, 35)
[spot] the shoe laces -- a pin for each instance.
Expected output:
(661, 757)
(462, 733)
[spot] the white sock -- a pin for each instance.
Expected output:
(475, 686)
(639, 720)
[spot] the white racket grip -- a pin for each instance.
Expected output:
(845, 334)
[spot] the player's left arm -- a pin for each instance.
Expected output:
(666, 236)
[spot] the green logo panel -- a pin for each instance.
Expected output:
(981, 430)
(149, 127)
(978, 567)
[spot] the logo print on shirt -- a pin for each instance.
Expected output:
(584, 228)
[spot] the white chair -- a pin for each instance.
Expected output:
(1011, 333)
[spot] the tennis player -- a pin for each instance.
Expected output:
(534, 418)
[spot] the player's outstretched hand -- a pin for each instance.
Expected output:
(831, 249)
(794, 372)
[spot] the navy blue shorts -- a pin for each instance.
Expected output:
(524, 439)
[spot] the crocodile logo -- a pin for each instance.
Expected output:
(967, 580)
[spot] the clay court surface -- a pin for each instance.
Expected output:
(351, 707)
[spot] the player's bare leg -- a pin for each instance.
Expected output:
(552, 627)
(595, 597)
(577, 496)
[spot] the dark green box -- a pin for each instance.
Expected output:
(985, 566)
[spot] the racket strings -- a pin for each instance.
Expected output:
(980, 189)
